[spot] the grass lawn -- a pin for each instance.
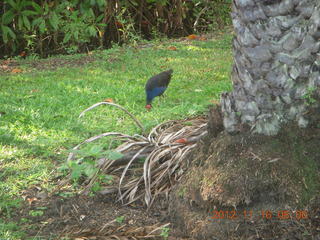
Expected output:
(40, 108)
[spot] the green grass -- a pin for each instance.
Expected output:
(41, 108)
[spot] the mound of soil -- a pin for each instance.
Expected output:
(251, 187)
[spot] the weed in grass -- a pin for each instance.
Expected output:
(165, 232)
(95, 187)
(107, 179)
(86, 165)
(35, 213)
(66, 194)
(120, 219)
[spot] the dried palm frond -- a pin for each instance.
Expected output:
(150, 165)
(111, 231)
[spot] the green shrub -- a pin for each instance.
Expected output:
(69, 26)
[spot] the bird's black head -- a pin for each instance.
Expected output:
(170, 71)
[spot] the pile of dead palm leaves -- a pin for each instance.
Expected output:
(150, 163)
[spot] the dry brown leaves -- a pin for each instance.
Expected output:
(151, 163)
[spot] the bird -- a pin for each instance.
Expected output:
(156, 86)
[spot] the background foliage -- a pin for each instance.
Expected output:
(44, 27)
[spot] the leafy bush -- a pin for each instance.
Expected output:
(68, 26)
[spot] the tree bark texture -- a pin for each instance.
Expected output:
(276, 64)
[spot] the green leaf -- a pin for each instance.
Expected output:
(101, 25)
(26, 22)
(120, 219)
(42, 26)
(76, 35)
(92, 31)
(101, 3)
(54, 21)
(63, 167)
(67, 37)
(99, 18)
(46, 7)
(96, 187)
(6, 31)
(13, 4)
(36, 7)
(7, 17)
(37, 21)
(91, 13)
(114, 155)
(89, 169)
(35, 213)
(71, 164)
(20, 23)
(25, 3)
(12, 34)
(137, 4)
(28, 13)
(76, 172)
(95, 150)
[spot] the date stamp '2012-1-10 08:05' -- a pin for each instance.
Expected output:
(265, 214)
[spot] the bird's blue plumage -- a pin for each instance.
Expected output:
(157, 91)
(157, 85)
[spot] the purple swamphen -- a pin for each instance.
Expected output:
(156, 86)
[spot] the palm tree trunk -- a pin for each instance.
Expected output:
(276, 64)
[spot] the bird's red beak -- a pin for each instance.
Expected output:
(148, 107)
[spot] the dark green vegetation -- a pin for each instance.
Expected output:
(40, 107)
(70, 26)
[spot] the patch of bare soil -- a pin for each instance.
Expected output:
(82, 217)
(251, 187)
(56, 62)
(14, 66)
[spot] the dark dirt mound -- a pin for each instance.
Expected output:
(251, 187)
(92, 218)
